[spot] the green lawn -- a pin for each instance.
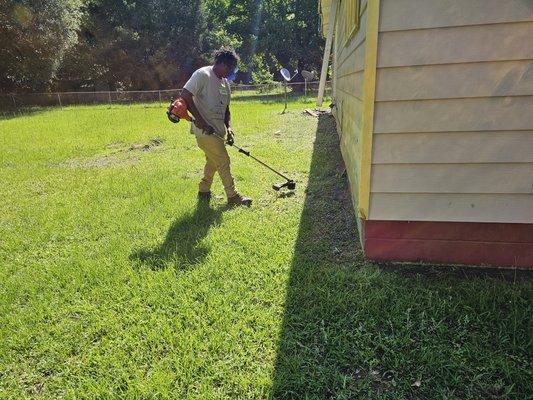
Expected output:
(116, 284)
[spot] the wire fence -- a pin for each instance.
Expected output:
(21, 102)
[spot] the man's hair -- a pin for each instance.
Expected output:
(227, 56)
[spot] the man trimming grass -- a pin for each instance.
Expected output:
(207, 94)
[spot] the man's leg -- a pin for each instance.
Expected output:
(215, 150)
(209, 172)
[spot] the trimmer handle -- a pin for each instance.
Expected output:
(172, 117)
(178, 110)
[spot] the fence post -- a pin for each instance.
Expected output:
(159, 92)
(59, 100)
(14, 102)
(109, 96)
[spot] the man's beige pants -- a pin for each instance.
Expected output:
(217, 159)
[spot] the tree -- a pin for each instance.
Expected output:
(136, 44)
(34, 36)
(149, 44)
(293, 36)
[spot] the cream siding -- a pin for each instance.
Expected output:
(453, 119)
(468, 147)
(503, 78)
(453, 207)
(449, 115)
(497, 42)
(453, 178)
(419, 14)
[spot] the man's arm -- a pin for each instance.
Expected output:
(227, 118)
(199, 121)
(227, 121)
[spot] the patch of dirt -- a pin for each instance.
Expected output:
(106, 161)
(116, 145)
(151, 145)
(317, 112)
(120, 146)
(120, 155)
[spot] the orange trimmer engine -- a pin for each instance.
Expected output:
(178, 110)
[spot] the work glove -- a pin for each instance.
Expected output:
(230, 138)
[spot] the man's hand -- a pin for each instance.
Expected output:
(198, 119)
(231, 137)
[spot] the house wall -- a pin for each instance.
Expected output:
(353, 64)
(349, 96)
(435, 112)
(453, 114)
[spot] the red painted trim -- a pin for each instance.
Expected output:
(471, 231)
(498, 245)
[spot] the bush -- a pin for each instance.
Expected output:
(261, 74)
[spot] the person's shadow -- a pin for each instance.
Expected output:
(183, 247)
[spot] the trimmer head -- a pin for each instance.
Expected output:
(291, 185)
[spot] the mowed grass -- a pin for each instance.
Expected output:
(116, 284)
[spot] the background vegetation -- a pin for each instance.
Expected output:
(148, 44)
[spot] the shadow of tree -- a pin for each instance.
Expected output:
(183, 246)
(9, 114)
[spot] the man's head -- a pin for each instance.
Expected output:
(225, 61)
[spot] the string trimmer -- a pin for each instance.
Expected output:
(178, 111)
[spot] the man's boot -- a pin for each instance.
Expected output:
(238, 200)
(204, 196)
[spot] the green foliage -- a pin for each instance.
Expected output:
(34, 36)
(154, 44)
(261, 74)
(136, 44)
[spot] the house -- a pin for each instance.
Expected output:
(434, 106)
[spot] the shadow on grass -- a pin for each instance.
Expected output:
(352, 329)
(327, 243)
(183, 247)
(25, 112)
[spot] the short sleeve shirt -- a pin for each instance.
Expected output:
(211, 96)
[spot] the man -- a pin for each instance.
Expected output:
(207, 94)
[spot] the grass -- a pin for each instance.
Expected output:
(116, 283)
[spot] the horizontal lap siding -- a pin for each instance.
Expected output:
(468, 147)
(498, 42)
(350, 137)
(504, 78)
(455, 115)
(349, 70)
(456, 207)
(453, 127)
(419, 14)
(453, 178)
